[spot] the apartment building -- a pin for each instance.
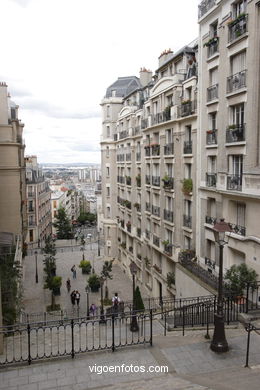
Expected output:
(229, 136)
(38, 202)
(58, 200)
(149, 172)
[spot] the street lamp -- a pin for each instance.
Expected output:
(219, 342)
(87, 292)
(36, 267)
(102, 317)
(134, 325)
(98, 243)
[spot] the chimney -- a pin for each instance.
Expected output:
(145, 76)
(164, 56)
(3, 104)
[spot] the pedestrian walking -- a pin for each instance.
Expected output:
(73, 297)
(116, 300)
(77, 297)
(74, 272)
(93, 309)
(68, 284)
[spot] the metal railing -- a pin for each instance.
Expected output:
(210, 220)
(156, 240)
(234, 182)
(187, 147)
(235, 133)
(156, 181)
(156, 210)
(168, 215)
(124, 134)
(147, 151)
(138, 156)
(237, 229)
(211, 179)
(155, 150)
(187, 108)
(237, 28)
(148, 207)
(212, 92)
(169, 149)
(236, 81)
(187, 221)
(205, 6)
(211, 137)
(128, 157)
(169, 183)
(213, 47)
(147, 179)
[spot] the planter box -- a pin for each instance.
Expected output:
(85, 271)
(56, 291)
(94, 289)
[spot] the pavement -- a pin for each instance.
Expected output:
(190, 363)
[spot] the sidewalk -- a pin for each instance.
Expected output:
(191, 366)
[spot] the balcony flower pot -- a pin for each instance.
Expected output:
(187, 186)
(85, 266)
(94, 282)
(56, 285)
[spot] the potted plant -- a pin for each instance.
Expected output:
(85, 266)
(56, 284)
(94, 282)
(185, 101)
(187, 186)
(165, 242)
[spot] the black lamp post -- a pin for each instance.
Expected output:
(219, 342)
(102, 317)
(134, 325)
(87, 292)
(36, 267)
(98, 243)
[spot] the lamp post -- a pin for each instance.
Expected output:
(87, 292)
(102, 317)
(36, 267)
(134, 325)
(98, 243)
(219, 342)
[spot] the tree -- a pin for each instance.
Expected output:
(106, 274)
(86, 217)
(139, 305)
(10, 278)
(50, 279)
(63, 225)
(237, 278)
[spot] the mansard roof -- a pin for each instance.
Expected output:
(123, 86)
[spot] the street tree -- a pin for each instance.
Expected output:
(237, 278)
(51, 281)
(63, 225)
(106, 274)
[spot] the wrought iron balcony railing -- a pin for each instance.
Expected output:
(148, 207)
(124, 134)
(235, 133)
(128, 180)
(156, 210)
(169, 149)
(187, 147)
(205, 6)
(147, 234)
(213, 47)
(128, 157)
(136, 130)
(210, 263)
(147, 149)
(238, 229)
(236, 81)
(138, 232)
(156, 181)
(237, 27)
(144, 123)
(211, 179)
(161, 117)
(212, 92)
(155, 150)
(168, 215)
(187, 108)
(168, 249)
(147, 179)
(210, 220)
(211, 138)
(168, 184)
(138, 156)
(234, 182)
(187, 221)
(156, 240)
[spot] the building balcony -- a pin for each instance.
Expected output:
(155, 150)
(121, 179)
(161, 117)
(147, 149)
(234, 182)
(31, 210)
(31, 194)
(138, 156)
(210, 220)
(212, 46)
(236, 81)
(131, 249)
(211, 138)
(187, 147)
(168, 248)
(128, 227)
(187, 221)
(136, 130)
(122, 223)
(210, 263)
(148, 207)
(212, 92)
(128, 204)
(115, 137)
(156, 240)
(147, 234)
(138, 207)
(128, 157)
(169, 149)
(168, 215)
(120, 157)
(144, 123)
(147, 179)
(211, 179)
(31, 223)
(237, 27)
(187, 108)
(157, 268)
(205, 6)
(241, 230)
(156, 210)
(235, 133)
(124, 134)
(168, 183)
(156, 181)
(128, 180)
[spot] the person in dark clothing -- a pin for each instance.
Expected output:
(77, 297)
(73, 297)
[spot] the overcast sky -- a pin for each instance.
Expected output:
(59, 56)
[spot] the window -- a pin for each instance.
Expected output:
(108, 171)
(108, 212)
(169, 136)
(187, 242)
(188, 133)
(30, 205)
(241, 212)
(31, 235)
(238, 63)
(108, 232)
(107, 151)
(213, 76)
(187, 171)
(169, 170)
(236, 165)
(108, 111)
(214, 29)
(239, 7)
(108, 191)
(237, 114)
(213, 121)
(212, 164)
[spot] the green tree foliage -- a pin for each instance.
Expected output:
(86, 217)
(10, 277)
(139, 305)
(106, 274)
(50, 279)
(238, 276)
(63, 225)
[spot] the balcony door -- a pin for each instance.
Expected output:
(238, 114)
